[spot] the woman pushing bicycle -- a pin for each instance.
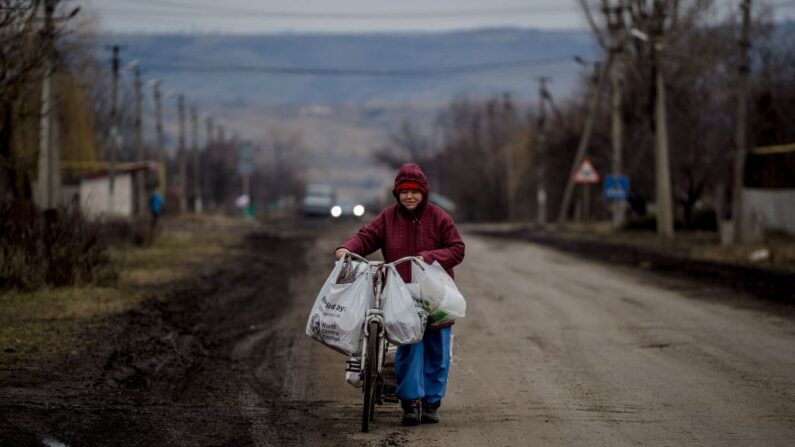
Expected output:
(415, 227)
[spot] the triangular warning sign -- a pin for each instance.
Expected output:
(586, 173)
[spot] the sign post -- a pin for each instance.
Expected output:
(586, 175)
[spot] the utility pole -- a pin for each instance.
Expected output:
(741, 135)
(616, 28)
(114, 124)
(48, 182)
(197, 194)
(206, 188)
(665, 218)
(585, 138)
(183, 161)
(139, 144)
(541, 191)
(161, 150)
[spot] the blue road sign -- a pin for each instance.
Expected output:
(616, 188)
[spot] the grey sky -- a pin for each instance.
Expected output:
(272, 16)
(268, 16)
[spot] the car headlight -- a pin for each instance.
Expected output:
(358, 211)
(336, 211)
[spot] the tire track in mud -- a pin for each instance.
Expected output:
(193, 368)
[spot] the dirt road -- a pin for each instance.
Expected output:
(555, 350)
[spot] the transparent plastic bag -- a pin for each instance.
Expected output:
(404, 316)
(438, 293)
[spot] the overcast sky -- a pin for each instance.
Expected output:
(274, 16)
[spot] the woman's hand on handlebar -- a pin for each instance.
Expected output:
(340, 252)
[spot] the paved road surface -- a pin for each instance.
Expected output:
(556, 350)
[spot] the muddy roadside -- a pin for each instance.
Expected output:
(168, 371)
(682, 265)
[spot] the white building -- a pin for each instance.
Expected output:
(96, 200)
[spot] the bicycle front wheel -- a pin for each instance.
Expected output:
(370, 369)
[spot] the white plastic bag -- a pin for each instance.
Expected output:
(337, 317)
(438, 293)
(404, 316)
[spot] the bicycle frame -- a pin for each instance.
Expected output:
(375, 314)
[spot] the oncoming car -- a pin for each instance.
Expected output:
(347, 210)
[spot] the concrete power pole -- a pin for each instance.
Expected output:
(140, 185)
(48, 182)
(541, 191)
(741, 136)
(182, 157)
(197, 194)
(206, 188)
(616, 27)
(585, 138)
(665, 218)
(161, 150)
(114, 124)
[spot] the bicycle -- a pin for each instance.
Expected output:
(375, 345)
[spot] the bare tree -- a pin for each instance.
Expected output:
(407, 144)
(21, 55)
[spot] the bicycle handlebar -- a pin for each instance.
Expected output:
(393, 264)
(354, 255)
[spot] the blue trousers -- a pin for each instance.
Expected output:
(421, 369)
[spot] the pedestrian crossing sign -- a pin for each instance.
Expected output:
(616, 188)
(586, 174)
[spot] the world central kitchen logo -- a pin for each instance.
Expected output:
(315, 324)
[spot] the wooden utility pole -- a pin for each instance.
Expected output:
(617, 30)
(741, 127)
(140, 185)
(182, 157)
(585, 138)
(48, 182)
(541, 142)
(665, 217)
(161, 150)
(197, 194)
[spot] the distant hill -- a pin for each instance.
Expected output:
(224, 68)
(342, 117)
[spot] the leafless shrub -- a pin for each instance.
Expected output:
(54, 248)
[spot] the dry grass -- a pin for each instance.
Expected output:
(50, 320)
(698, 245)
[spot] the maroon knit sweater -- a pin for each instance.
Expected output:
(427, 231)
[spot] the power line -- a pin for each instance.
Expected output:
(183, 9)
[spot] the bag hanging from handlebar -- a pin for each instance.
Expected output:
(404, 316)
(438, 293)
(338, 315)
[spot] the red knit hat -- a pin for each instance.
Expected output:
(411, 185)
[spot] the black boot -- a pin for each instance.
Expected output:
(412, 409)
(430, 414)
